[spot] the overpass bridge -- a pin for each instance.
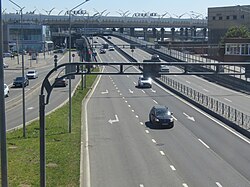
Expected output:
(105, 21)
(151, 27)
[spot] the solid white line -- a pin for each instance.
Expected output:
(155, 101)
(218, 184)
(207, 115)
(147, 131)
(204, 144)
(162, 153)
(175, 118)
(228, 100)
(172, 167)
(153, 140)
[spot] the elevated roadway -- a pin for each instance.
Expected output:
(106, 21)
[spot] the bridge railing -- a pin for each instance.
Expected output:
(233, 115)
(185, 56)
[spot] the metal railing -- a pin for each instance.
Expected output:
(233, 115)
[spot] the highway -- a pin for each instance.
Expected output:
(230, 97)
(13, 103)
(126, 150)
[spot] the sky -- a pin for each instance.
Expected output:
(173, 8)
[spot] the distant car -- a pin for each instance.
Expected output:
(5, 65)
(59, 51)
(155, 57)
(102, 51)
(8, 54)
(109, 37)
(111, 48)
(161, 115)
(20, 81)
(6, 90)
(60, 82)
(32, 74)
(164, 68)
(144, 82)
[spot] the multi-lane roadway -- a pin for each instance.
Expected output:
(14, 104)
(124, 149)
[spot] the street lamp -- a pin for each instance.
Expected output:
(4, 161)
(70, 102)
(23, 91)
(49, 11)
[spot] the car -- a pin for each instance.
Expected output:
(144, 82)
(161, 115)
(111, 48)
(7, 54)
(164, 68)
(102, 51)
(6, 90)
(32, 74)
(109, 37)
(59, 51)
(155, 57)
(60, 82)
(5, 65)
(20, 81)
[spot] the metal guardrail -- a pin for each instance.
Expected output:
(233, 115)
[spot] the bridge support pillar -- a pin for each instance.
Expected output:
(173, 33)
(132, 31)
(154, 33)
(121, 29)
(145, 33)
(162, 34)
(186, 33)
(205, 33)
(181, 33)
(193, 32)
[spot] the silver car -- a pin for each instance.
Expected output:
(144, 82)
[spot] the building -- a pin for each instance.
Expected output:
(26, 36)
(222, 18)
(237, 50)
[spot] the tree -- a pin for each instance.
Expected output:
(237, 32)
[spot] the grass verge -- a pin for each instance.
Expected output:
(62, 148)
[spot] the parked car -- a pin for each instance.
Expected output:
(6, 90)
(20, 81)
(161, 115)
(144, 82)
(60, 82)
(32, 74)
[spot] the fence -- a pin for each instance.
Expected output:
(235, 116)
